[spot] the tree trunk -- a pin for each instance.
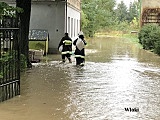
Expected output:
(24, 27)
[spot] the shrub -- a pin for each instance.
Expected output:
(10, 58)
(157, 47)
(40, 46)
(37, 45)
(149, 36)
(23, 62)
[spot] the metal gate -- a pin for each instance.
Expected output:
(9, 59)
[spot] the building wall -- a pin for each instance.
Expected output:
(55, 17)
(52, 16)
(150, 4)
(75, 3)
(49, 16)
(150, 12)
(73, 22)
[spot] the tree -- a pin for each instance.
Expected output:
(133, 11)
(6, 10)
(24, 27)
(98, 14)
(121, 12)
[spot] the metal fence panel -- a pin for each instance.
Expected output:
(9, 59)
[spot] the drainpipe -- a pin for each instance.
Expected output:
(140, 15)
(80, 14)
(66, 15)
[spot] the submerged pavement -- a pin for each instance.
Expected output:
(118, 82)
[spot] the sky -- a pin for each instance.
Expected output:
(127, 2)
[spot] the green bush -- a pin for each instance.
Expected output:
(157, 47)
(37, 45)
(149, 36)
(10, 58)
(23, 62)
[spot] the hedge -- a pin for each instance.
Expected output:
(149, 37)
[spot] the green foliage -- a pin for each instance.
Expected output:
(133, 12)
(134, 23)
(4, 60)
(127, 14)
(157, 47)
(149, 37)
(96, 14)
(84, 20)
(1, 75)
(23, 62)
(37, 45)
(121, 12)
(121, 26)
(10, 58)
(6, 10)
(102, 15)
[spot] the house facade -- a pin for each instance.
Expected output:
(55, 16)
(150, 12)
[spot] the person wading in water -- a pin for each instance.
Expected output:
(80, 50)
(65, 47)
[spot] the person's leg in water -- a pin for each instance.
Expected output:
(69, 57)
(78, 60)
(63, 58)
(82, 60)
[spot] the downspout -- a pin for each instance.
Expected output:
(80, 15)
(66, 15)
(140, 15)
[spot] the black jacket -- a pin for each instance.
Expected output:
(65, 46)
(77, 51)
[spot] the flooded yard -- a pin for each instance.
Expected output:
(118, 82)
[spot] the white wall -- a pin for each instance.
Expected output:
(150, 3)
(49, 16)
(73, 20)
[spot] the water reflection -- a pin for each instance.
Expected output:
(117, 75)
(111, 83)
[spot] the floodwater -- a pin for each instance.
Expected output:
(118, 82)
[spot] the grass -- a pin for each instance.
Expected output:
(132, 37)
(37, 45)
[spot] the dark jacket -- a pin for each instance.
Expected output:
(77, 51)
(67, 44)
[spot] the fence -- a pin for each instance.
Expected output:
(9, 59)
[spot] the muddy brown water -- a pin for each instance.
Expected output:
(118, 82)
